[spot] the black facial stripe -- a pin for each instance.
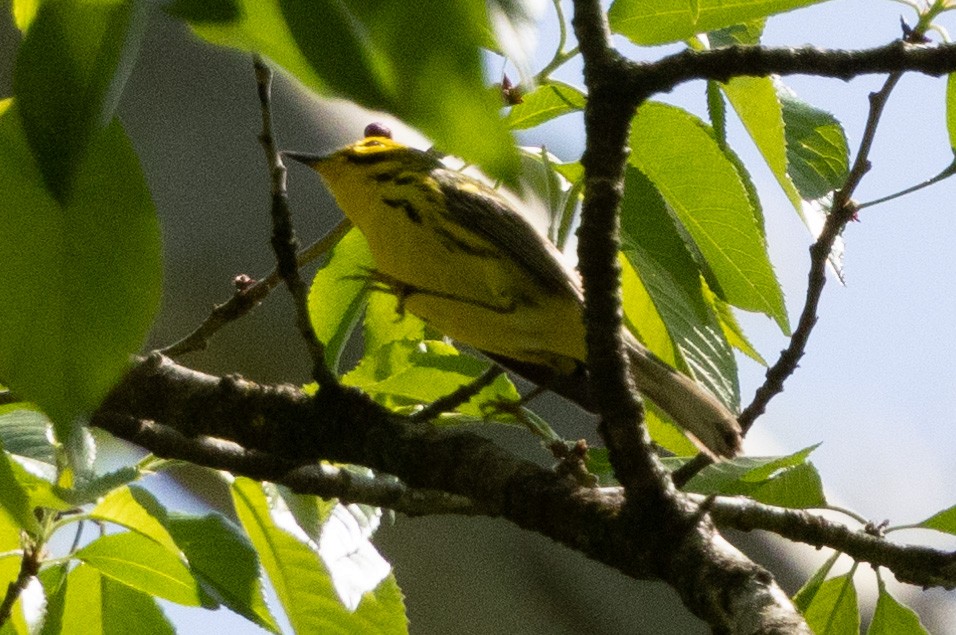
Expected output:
(405, 205)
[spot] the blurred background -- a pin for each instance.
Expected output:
(876, 387)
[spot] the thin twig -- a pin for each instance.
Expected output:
(945, 174)
(246, 298)
(284, 241)
(460, 396)
(842, 212)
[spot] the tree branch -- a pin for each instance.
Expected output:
(345, 426)
(914, 564)
(318, 479)
(248, 295)
(607, 118)
(723, 64)
(278, 433)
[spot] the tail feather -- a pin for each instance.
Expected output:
(698, 412)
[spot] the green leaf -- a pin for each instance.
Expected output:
(893, 618)
(310, 512)
(817, 149)
(649, 22)
(756, 102)
(69, 74)
(680, 156)
(81, 282)
(384, 324)
(804, 147)
(546, 102)
(732, 329)
(944, 521)
(16, 480)
(136, 509)
(717, 111)
(408, 373)
(23, 431)
(24, 11)
(301, 580)
(222, 557)
(808, 591)
(93, 604)
(789, 481)
(15, 504)
(338, 294)
(656, 250)
(141, 563)
(951, 110)
(398, 57)
(834, 609)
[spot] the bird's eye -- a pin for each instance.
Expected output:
(371, 143)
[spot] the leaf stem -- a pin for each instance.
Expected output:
(945, 174)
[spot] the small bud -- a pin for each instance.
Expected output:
(242, 282)
(512, 94)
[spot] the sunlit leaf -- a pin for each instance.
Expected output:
(651, 242)
(681, 157)
(137, 509)
(834, 609)
(141, 563)
(384, 323)
(803, 597)
(338, 294)
(650, 22)
(951, 110)
(94, 604)
(301, 580)
(944, 521)
(15, 504)
(892, 618)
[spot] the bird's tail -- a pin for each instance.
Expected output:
(698, 412)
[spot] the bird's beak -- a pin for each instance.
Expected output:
(304, 157)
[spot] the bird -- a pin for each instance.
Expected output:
(464, 258)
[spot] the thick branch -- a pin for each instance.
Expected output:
(607, 118)
(722, 64)
(169, 409)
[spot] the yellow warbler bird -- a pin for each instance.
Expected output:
(461, 256)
